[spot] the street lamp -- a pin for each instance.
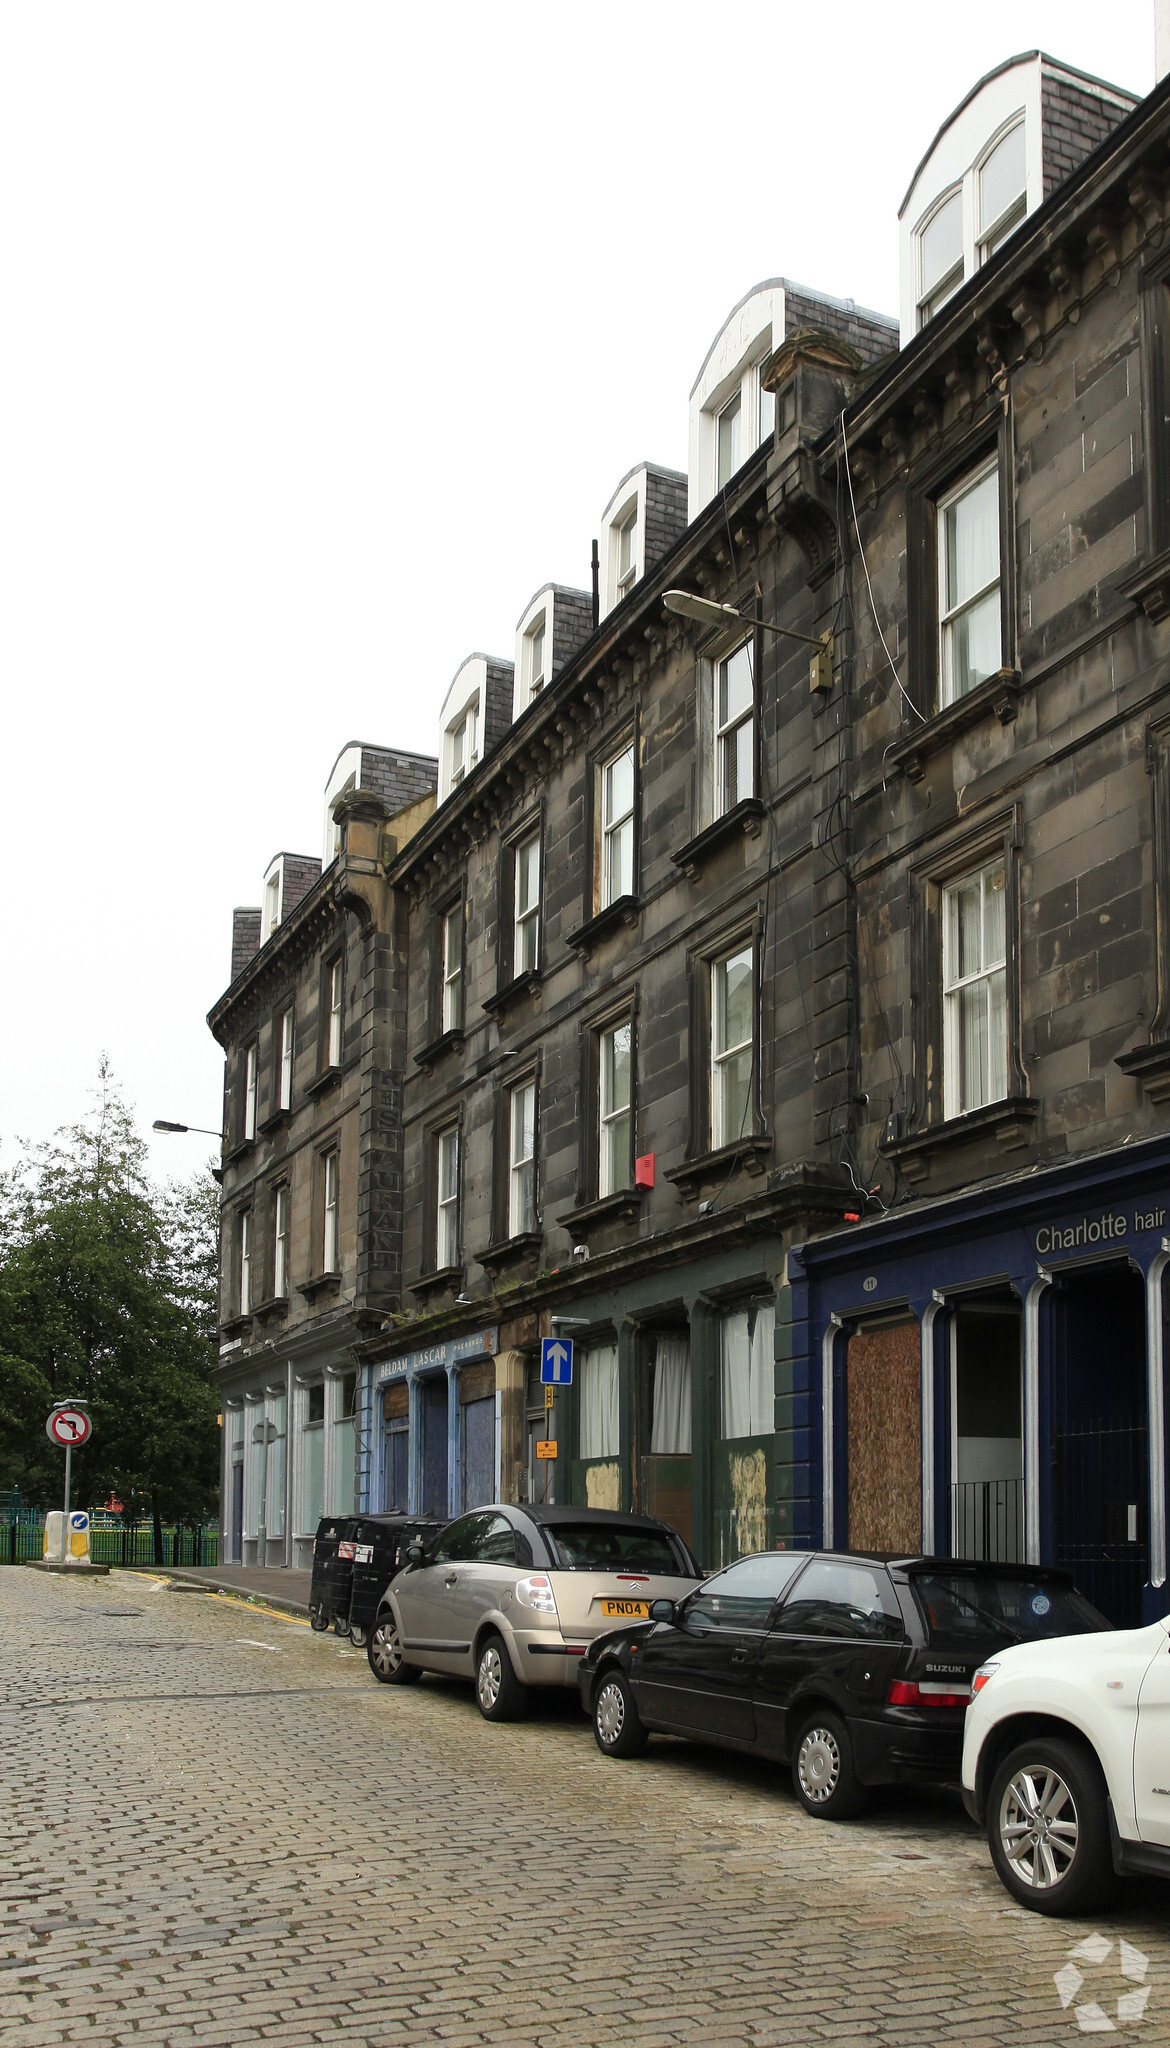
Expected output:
(160, 1124)
(706, 612)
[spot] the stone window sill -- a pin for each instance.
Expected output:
(1009, 1121)
(1149, 1065)
(447, 1041)
(328, 1078)
(239, 1151)
(510, 1251)
(1150, 587)
(1000, 694)
(623, 911)
(747, 1155)
(624, 1204)
(434, 1283)
(322, 1284)
(276, 1121)
(239, 1326)
(744, 820)
(530, 983)
(272, 1311)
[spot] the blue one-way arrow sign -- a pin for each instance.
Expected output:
(556, 1361)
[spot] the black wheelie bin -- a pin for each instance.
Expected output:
(329, 1589)
(379, 1551)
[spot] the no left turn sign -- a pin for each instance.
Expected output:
(69, 1427)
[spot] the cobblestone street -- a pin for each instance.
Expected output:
(219, 1829)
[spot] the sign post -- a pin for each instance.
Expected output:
(69, 1423)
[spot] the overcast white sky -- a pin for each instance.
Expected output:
(328, 333)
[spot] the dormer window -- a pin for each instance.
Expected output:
(627, 552)
(1003, 191)
(464, 745)
(534, 643)
(271, 905)
(940, 257)
(729, 441)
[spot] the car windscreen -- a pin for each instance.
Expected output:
(972, 1608)
(615, 1547)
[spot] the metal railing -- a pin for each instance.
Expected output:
(987, 1520)
(22, 1538)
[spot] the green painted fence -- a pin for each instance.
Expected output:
(22, 1536)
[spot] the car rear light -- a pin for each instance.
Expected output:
(912, 1692)
(983, 1676)
(537, 1593)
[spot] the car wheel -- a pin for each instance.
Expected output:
(498, 1692)
(823, 1772)
(617, 1724)
(1048, 1829)
(384, 1651)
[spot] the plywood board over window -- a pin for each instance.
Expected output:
(884, 1424)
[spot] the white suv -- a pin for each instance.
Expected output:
(1066, 1757)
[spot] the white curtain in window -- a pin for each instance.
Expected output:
(599, 1401)
(670, 1428)
(748, 1372)
(277, 1449)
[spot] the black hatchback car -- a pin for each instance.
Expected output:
(855, 1669)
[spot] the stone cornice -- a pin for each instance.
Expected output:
(715, 556)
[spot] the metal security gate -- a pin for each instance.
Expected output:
(1101, 1486)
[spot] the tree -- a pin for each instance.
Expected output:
(108, 1294)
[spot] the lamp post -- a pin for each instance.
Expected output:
(704, 610)
(160, 1124)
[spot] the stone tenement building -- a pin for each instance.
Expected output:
(792, 1021)
(310, 1243)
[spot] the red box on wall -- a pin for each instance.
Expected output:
(644, 1171)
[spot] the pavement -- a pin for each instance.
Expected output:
(218, 1829)
(288, 1590)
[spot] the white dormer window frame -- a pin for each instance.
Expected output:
(463, 743)
(537, 649)
(626, 543)
(273, 904)
(934, 291)
(980, 234)
(995, 229)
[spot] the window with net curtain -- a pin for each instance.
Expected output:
(598, 1432)
(277, 1466)
(747, 1372)
(975, 1035)
(732, 1041)
(670, 1423)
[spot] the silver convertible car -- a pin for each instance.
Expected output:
(513, 1596)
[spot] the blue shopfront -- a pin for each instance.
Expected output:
(431, 1428)
(983, 1376)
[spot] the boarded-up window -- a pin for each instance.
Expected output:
(884, 1436)
(478, 1382)
(396, 1402)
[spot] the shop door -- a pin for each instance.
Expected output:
(987, 1450)
(479, 1452)
(664, 1414)
(237, 1514)
(1099, 1449)
(884, 1437)
(435, 1439)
